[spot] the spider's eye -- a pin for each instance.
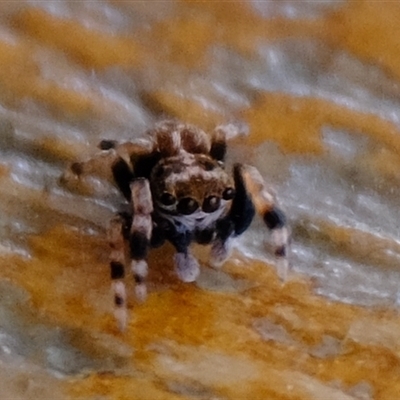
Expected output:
(229, 194)
(187, 206)
(211, 203)
(167, 199)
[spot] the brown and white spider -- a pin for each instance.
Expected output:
(179, 190)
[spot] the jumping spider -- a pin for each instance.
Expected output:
(178, 190)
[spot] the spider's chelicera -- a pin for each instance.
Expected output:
(178, 190)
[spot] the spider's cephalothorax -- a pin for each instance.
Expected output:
(179, 191)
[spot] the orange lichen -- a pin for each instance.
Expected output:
(17, 70)
(121, 388)
(386, 162)
(241, 28)
(295, 123)
(182, 41)
(361, 246)
(369, 31)
(21, 79)
(53, 148)
(53, 266)
(183, 108)
(185, 335)
(206, 329)
(4, 170)
(92, 49)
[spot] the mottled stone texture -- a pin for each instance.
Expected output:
(316, 88)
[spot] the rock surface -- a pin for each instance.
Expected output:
(315, 85)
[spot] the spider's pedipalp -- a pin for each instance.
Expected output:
(117, 269)
(140, 233)
(266, 205)
(187, 267)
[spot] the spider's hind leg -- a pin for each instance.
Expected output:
(266, 205)
(75, 177)
(218, 144)
(220, 136)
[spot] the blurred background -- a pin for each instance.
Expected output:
(315, 87)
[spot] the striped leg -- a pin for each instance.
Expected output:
(140, 233)
(117, 266)
(274, 218)
(237, 221)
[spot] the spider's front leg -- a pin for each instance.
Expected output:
(266, 205)
(137, 231)
(140, 233)
(117, 268)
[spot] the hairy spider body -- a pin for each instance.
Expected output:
(179, 191)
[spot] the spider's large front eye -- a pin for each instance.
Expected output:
(229, 193)
(187, 206)
(167, 199)
(211, 203)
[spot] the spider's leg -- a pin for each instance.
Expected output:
(100, 165)
(235, 223)
(116, 162)
(123, 175)
(140, 233)
(195, 141)
(266, 205)
(186, 265)
(218, 144)
(117, 267)
(222, 244)
(221, 134)
(133, 160)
